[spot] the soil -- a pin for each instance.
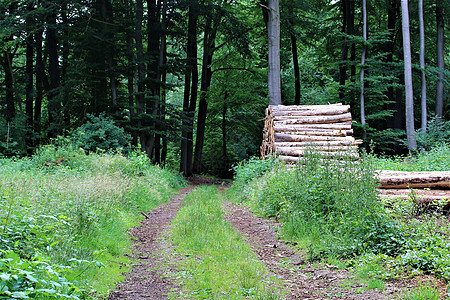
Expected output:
(147, 279)
(150, 276)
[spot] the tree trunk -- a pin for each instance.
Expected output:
(29, 86)
(9, 86)
(41, 81)
(274, 72)
(344, 51)
(190, 94)
(54, 101)
(162, 75)
(208, 52)
(422, 66)
(140, 81)
(440, 59)
(363, 61)
(392, 14)
(296, 69)
(409, 100)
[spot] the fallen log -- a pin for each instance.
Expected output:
(281, 137)
(288, 150)
(316, 143)
(306, 107)
(336, 126)
(310, 112)
(301, 160)
(316, 133)
(399, 180)
(320, 153)
(313, 119)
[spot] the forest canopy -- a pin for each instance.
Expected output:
(187, 81)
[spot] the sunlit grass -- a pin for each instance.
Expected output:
(97, 197)
(217, 261)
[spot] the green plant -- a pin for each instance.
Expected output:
(101, 133)
(331, 208)
(422, 292)
(438, 132)
(218, 262)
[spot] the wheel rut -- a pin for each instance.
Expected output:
(148, 278)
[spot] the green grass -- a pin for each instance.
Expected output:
(436, 159)
(76, 213)
(421, 293)
(217, 262)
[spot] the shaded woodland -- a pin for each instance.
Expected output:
(187, 80)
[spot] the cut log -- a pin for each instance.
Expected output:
(316, 133)
(314, 119)
(286, 150)
(306, 107)
(301, 160)
(281, 137)
(400, 180)
(316, 143)
(310, 112)
(333, 126)
(320, 153)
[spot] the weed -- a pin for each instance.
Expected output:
(220, 262)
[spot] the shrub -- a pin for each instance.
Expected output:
(438, 131)
(101, 133)
(333, 207)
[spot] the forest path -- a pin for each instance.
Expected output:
(147, 278)
(155, 261)
(301, 279)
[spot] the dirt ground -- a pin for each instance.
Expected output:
(150, 276)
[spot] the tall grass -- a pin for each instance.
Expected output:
(83, 205)
(330, 208)
(218, 263)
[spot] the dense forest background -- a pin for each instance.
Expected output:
(186, 81)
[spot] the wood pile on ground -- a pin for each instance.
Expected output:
(291, 131)
(422, 187)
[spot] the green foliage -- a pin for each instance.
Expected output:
(218, 263)
(101, 133)
(331, 207)
(252, 168)
(421, 293)
(435, 159)
(69, 214)
(437, 133)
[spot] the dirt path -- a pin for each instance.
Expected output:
(301, 279)
(146, 280)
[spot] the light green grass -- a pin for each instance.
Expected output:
(89, 202)
(217, 262)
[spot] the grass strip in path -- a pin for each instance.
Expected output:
(147, 279)
(217, 262)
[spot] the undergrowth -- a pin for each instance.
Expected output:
(332, 210)
(63, 219)
(217, 262)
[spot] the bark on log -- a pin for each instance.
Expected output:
(322, 153)
(314, 119)
(400, 180)
(301, 160)
(314, 148)
(310, 112)
(306, 107)
(330, 126)
(281, 137)
(316, 143)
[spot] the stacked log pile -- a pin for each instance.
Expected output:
(422, 187)
(291, 131)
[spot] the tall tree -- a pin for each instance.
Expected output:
(363, 61)
(274, 72)
(422, 67)
(440, 58)
(409, 100)
(190, 92)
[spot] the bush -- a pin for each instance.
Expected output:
(438, 132)
(101, 133)
(252, 168)
(331, 208)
